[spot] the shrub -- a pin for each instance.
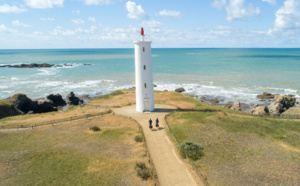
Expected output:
(142, 170)
(138, 138)
(95, 128)
(190, 149)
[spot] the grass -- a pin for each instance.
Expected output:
(50, 117)
(71, 154)
(240, 149)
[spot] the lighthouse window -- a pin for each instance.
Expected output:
(144, 67)
(145, 85)
(143, 49)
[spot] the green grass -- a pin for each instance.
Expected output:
(108, 96)
(276, 129)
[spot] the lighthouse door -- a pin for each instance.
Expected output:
(146, 105)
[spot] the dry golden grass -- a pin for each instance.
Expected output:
(71, 154)
(50, 117)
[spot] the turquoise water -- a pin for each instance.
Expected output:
(234, 74)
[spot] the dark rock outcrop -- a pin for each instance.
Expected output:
(85, 97)
(57, 100)
(72, 99)
(32, 65)
(44, 105)
(265, 95)
(260, 110)
(180, 90)
(281, 104)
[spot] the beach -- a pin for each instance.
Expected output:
(228, 74)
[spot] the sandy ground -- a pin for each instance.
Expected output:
(171, 169)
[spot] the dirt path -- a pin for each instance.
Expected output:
(171, 169)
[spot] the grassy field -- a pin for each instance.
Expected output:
(45, 118)
(71, 154)
(242, 150)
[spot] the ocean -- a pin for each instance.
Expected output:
(231, 74)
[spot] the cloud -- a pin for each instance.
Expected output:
(218, 4)
(42, 4)
(92, 19)
(272, 2)
(4, 29)
(170, 13)
(97, 2)
(135, 11)
(75, 11)
(18, 23)
(47, 19)
(287, 17)
(236, 10)
(11, 9)
(78, 21)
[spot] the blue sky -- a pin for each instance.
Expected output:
(176, 23)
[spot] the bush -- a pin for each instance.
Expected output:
(95, 128)
(138, 138)
(142, 170)
(190, 149)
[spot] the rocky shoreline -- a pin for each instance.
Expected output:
(272, 104)
(35, 65)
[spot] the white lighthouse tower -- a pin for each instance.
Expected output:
(143, 75)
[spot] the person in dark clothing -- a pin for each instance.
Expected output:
(150, 124)
(156, 122)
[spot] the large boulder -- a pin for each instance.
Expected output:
(23, 104)
(236, 106)
(72, 99)
(57, 100)
(180, 90)
(281, 104)
(260, 110)
(266, 95)
(44, 105)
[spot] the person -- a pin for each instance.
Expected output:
(157, 125)
(150, 124)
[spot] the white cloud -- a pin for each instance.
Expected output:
(47, 19)
(42, 4)
(237, 10)
(97, 2)
(78, 21)
(218, 4)
(4, 29)
(37, 33)
(18, 23)
(288, 16)
(272, 2)
(170, 13)
(92, 19)
(135, 11)
(75, 11)
(11, 9)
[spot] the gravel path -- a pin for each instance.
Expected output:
(171, 169)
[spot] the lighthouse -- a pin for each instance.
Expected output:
(143, 75)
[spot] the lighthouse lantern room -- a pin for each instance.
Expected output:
(143, 75)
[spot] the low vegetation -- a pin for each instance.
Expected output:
(241, 149)
(138, 138)
(71, 154)
(142, 170)
(95, 128)
(191, 150)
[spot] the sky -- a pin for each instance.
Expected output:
(39, 24)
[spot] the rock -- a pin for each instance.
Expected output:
(23, 104)
(85, 97)
(87, 64)
(260, 110)
(154, 85)
(281, 104)
(180, 90)
(203, 99)
(244, 106)
(44, 105)
(297, 104)
(32, 65)
(265, 95)
(72, 99)
(228, 105)
(99, 93)
(236, 106)
(57, 100)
